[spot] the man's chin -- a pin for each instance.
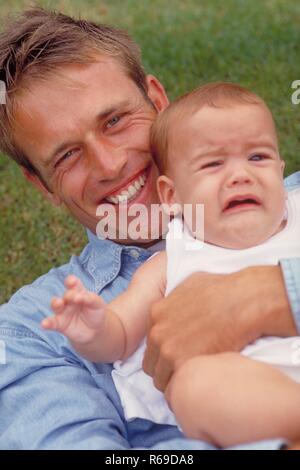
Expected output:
(143, 226)
(144, 240)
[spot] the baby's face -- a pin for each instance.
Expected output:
(228, 160)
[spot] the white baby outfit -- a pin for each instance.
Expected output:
(186, 255)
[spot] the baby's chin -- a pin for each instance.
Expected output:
(245, 230)
(241, 243)
(243, 239)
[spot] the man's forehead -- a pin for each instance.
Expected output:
(100, 83)
(77, 76)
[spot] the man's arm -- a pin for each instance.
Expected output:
(212, 313)
(291, 274)
(51, 401)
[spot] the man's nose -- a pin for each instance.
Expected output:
(107, 161)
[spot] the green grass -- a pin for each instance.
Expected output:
(184, 43)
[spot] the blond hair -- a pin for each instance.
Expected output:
(217, 95)
(37, 42)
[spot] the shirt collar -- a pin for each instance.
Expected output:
(104, 260)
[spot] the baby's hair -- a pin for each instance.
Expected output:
(216, 95)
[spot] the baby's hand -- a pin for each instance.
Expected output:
(79, 314)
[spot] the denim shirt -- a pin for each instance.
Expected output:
(50, 397)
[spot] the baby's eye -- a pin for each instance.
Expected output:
(257, 157)
(211, 164)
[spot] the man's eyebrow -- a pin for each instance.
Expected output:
(115, 108)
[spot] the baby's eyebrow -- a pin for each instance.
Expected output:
(209, 152)
(267, 143)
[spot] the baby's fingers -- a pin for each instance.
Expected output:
(50, 323)
(58, 305)
(74, 297)
(73, 282)
(88, 301)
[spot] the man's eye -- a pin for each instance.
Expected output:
(257, 157)
(113, 121)
(64, 157)
(211, 164)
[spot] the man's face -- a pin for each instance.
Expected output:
(87, 132)
(228, 160)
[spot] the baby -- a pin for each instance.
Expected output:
(215, 146)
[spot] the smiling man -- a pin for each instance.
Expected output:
(94, 148)
(77, 118)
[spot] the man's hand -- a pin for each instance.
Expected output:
(212, 313)
(293, 446)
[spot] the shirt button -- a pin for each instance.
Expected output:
(134, 253)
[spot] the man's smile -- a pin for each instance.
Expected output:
(129, 190)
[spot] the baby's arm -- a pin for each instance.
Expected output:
(107, 332)
(147, 286)
(229, 399)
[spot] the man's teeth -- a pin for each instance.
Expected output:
(130, 192)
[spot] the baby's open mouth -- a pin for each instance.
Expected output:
(241, 202)
(235, 203)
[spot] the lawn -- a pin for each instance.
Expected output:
(184, 43)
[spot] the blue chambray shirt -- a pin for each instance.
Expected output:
(51, 398)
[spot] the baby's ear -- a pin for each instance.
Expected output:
(165, 189)
(167, 195)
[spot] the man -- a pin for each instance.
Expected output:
(77, 117)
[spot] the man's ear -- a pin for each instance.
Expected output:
(167, 195)
(156, 93)
(38, 183)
